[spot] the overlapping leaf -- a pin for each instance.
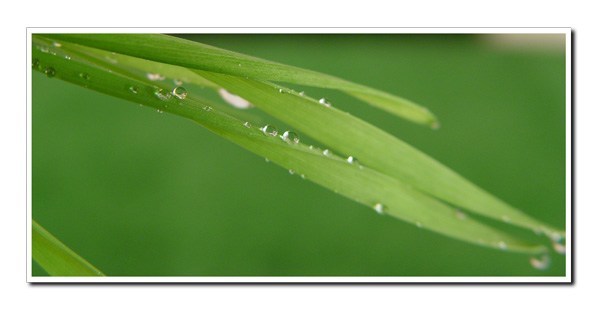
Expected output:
(56, 258)
(394, 174)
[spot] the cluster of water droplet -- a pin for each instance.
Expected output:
(162, 94)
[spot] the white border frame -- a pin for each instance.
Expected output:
(392, 279)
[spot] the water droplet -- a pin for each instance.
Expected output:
(155, 77)
(281, 91)
(133, 89)
(311, 147)
(67, 57)
(291, 171)
(49, 72)
(269, 130)
(267, 160)
(290, 136)
(559, 247)
(556, 237)
(207, 108)
(247, 125)
(351, 160)
(44, 49)
(179, 92)
(326, 152)
(301, 93)
(35, 63)
(239, 64)
(234, 100)
(324, 102)
(303, 176)
(177, 82)
(502, 245)
(540, 262)
(379, 208)
(56, 44)
(84, 76)
(460, 215)
(159, 111)
(162, 95)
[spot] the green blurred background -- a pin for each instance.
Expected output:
(139, 193)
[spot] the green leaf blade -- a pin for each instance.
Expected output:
(56, 258)
(365, 185)
(185, 53)
(374, 147)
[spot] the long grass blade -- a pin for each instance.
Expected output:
(374, 148)
(343, 132)
(189, 54)
(56, 258)
(360, 183)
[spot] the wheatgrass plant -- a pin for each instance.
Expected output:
(358, 160)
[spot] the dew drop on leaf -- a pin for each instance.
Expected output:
(559, 247)
(84, 76)
(179, 92)
(556, 237)
(326, 152)
(290, 136)
(541, 262)
(133, 89)
(379, 208)
(162, 95)
(49, 72)
(351, 160)
(247, 125)
(269, 130)
(324, 102)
